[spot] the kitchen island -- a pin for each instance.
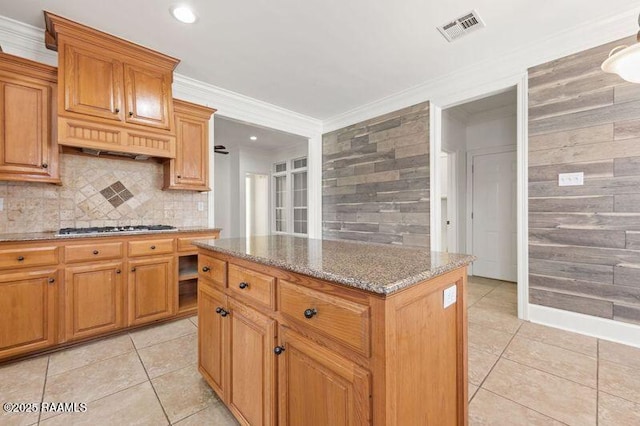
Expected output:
(320, 332)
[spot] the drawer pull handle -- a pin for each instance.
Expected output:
(20, 258)
(310, 313)
(133, 269)
(243, 285)
(205, 269)
(153, 247)
(51, 280)
(278, 350)
(96, 252)
(221, 311)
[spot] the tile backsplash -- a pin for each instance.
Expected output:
(137, 198)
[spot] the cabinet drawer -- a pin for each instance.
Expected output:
(150, 247)
(184, 243)
(251, 285)
(88, 252)
(212, 269)
(341, 319)
(30, 256)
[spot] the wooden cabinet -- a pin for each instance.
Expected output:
(152, 289)
(212, 340)
(28, 148)
(344, 356)
(190, 169)
(94, 299)
(113, 95)
(251, 367)
(319, 387)
(27, 311)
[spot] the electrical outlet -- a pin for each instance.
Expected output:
(571, 179)
(200, 206)
(450, 295)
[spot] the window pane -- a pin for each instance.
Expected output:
(299, 163)
(281, 167)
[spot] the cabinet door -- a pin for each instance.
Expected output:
(27, 311)
(191, 153)
(93, 83)
(251, 392)
(25, 123)
(318, 387)
(94, 299)
(212, 338)
(148, 96)
(152, 289)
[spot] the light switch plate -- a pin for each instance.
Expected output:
(450, 296)
(571, 179)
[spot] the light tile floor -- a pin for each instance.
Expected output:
(519, 374)
(527, 374)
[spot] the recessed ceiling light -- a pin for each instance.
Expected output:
(253, 138)
(183, 14)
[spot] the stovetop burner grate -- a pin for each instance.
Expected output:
(115, 229)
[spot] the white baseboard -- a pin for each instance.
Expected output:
(615, 331)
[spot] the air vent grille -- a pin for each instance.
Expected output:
(461, 26)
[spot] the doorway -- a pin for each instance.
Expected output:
(257, 204)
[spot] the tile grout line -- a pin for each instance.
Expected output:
(524, 406)
(44, 387)
(551, 374)
(149, 379)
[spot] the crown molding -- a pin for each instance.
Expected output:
(20, 39)
(479, 77)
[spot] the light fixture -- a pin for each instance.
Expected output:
(253, 138)
(625, 61)
(184, 14)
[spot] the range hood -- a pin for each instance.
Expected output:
(97, 152)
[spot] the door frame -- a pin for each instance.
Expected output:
(520, 80)
(469, 195)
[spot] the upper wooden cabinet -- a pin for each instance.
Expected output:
(190, 169)
(114, 95)
(28, 148)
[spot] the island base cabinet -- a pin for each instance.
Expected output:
(251, 391)
(211, 336)
(318, 387)
(94, 299)
(27, 311)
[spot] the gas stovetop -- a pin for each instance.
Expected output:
(116, 229)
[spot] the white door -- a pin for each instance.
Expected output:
(494, 215)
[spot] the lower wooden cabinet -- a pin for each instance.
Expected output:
(94, 299)
(27, 311)
(211, 342)
(319, 387)
(152, 289)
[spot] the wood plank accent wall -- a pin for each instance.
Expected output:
(375, 178)
(584, 241)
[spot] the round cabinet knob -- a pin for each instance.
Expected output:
(278, 350)
(310, 313)
(130, 113)
(205, 269)
(133, 269)
(153, 247)
(224, 313)
(20, 258)
(118, 271)
(51, 280)
(117, 110)
(96, 252)
(243, 285)
(179, 177)
(45, 165)
(218, 310)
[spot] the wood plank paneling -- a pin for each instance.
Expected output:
(585, 240)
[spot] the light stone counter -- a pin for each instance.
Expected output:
(378, 268)
(53, 235)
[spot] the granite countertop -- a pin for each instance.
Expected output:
(378, 268)
(53, 235)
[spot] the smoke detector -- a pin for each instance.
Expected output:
(461, 26)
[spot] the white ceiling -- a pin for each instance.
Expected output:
(232, 133)
(323, 57)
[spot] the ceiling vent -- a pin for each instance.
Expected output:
(461, 26)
